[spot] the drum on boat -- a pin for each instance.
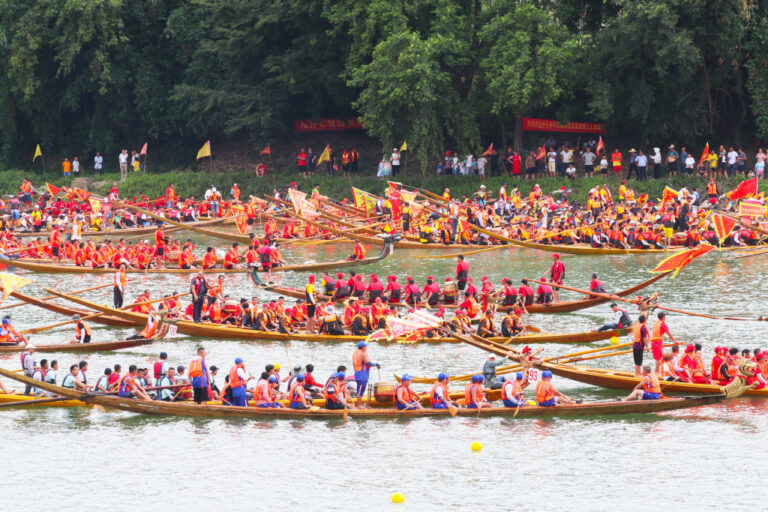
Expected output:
(384, 392)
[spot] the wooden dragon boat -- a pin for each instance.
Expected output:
(618, 379)
(69, 311)
(560, 307)
(219, 331)
(21, 400)
(155, 407)
(57, 268)
(98, 346)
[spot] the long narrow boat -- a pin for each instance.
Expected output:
(98, 346)
(567, 306)
(225, 235)
(69, 311)
(6, 398)
(618, 379)
(56, 268)
(218, 331)
(155, 407)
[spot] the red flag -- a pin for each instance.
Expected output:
(744, 189)
(144, 149)
(488, 151)
(52, 189)
(670, 194)
(723, 226)
(266, 151)
(542, 153)
(394, 185)
(704, 154)
(600, 145)
(241, 220)
(679, 260)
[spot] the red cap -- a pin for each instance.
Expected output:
(312, 278)
(339, 275)
(527, 349)
(555, 255)
(518, 311)
(431, 277)
(484, 278)
(689, 348)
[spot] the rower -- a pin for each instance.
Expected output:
(8, 334)
(102, 384)
(489, 371)
(119, 289)
(232, 257)
(129, 388)
(149, 330)
(512, 323)
(297, 394)
(439, 395)
(28, 364)
(405, 398)
(331, 324)
(82, 331)
(556, 275)
(264, 392)
(619, 320)
(547, 395)
(512, 391)
(648, 388)
(486, 327)
(358, 252)
(168, 379)
(310, 298)
(39, 375)
(394, 290)
(362, 364)
(510, 293)
(544, 294)
(474, 397)
(71, 381)
(333, 392)
(215, 290)
(526, 293)
(237, 382)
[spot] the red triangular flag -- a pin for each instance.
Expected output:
(744, 189)
(542, 152)
(52, 189)
(704, 154)
(144, 149)
(677, 261)
(723, 226)
(600, 145)
(488, 151)
(266, 151)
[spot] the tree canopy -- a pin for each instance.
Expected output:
(87, 75)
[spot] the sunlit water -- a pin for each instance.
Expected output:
(86, 459)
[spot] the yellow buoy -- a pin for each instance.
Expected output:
(398, 498)
(531, 402)
(614, 340)
(476, 446)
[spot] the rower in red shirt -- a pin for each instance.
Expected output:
(596, 285)
(55, 242)
(556, 275)
(359, 252)
(394, 289)
(210, 259)
(232, 258)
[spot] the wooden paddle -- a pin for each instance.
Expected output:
(35, 402)
(622, 299)
(37, 330)
(76, 292)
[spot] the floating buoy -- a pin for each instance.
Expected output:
(614, 340)
(532, 403)
(398, 498)
(476, 446)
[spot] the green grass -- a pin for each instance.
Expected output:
(195, 182)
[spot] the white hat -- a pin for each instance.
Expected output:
(671, 146)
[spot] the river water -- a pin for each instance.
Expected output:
(695, 459)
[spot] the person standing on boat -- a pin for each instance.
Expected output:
(362, 364)
(556, 274)
(198, 372)
(237, 382)
(310, 297)
(199, 289)
(27, 364)
(657, 339)
(648, 388)
(119, 290)
(489, 371)
(462, 273)
(640, 343)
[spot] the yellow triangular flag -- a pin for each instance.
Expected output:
(324, 156)
(205, 150)
(11, 283)
(404, 147)
(38, 153)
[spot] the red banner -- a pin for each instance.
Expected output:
(327, 125)
(550, 125)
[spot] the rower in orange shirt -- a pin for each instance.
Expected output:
(210, 259)
(185, 258)
(142, 308)
(55, 242)
(359, 253)
(215, 290)
(232, 258)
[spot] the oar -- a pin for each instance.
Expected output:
(622, 299)
(35, 402)
(37, 330)
(76, 292)
(756, 253)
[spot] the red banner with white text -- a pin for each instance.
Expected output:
(327, 125)
(533, 124)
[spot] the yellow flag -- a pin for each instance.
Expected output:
(324, 156)
(205, 151)
(95, 204)
(404, 147)
(38, 153)
(11, 283)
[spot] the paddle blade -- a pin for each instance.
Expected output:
(453, 410)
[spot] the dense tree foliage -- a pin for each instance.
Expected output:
(87, 75)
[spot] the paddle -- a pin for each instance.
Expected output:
(37, 330)
(622, 299)
(76, 292)
(35, 402)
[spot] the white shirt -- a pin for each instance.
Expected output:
(589, 157)
(690, 162)
(656, 157)
(123, 158)
(97, 161)
(567, 155)
(76, 166)
(641, 161)
(732, 156)
(208, 194)
(395, 158)
(552, 156)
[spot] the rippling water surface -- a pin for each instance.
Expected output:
(89, 458)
